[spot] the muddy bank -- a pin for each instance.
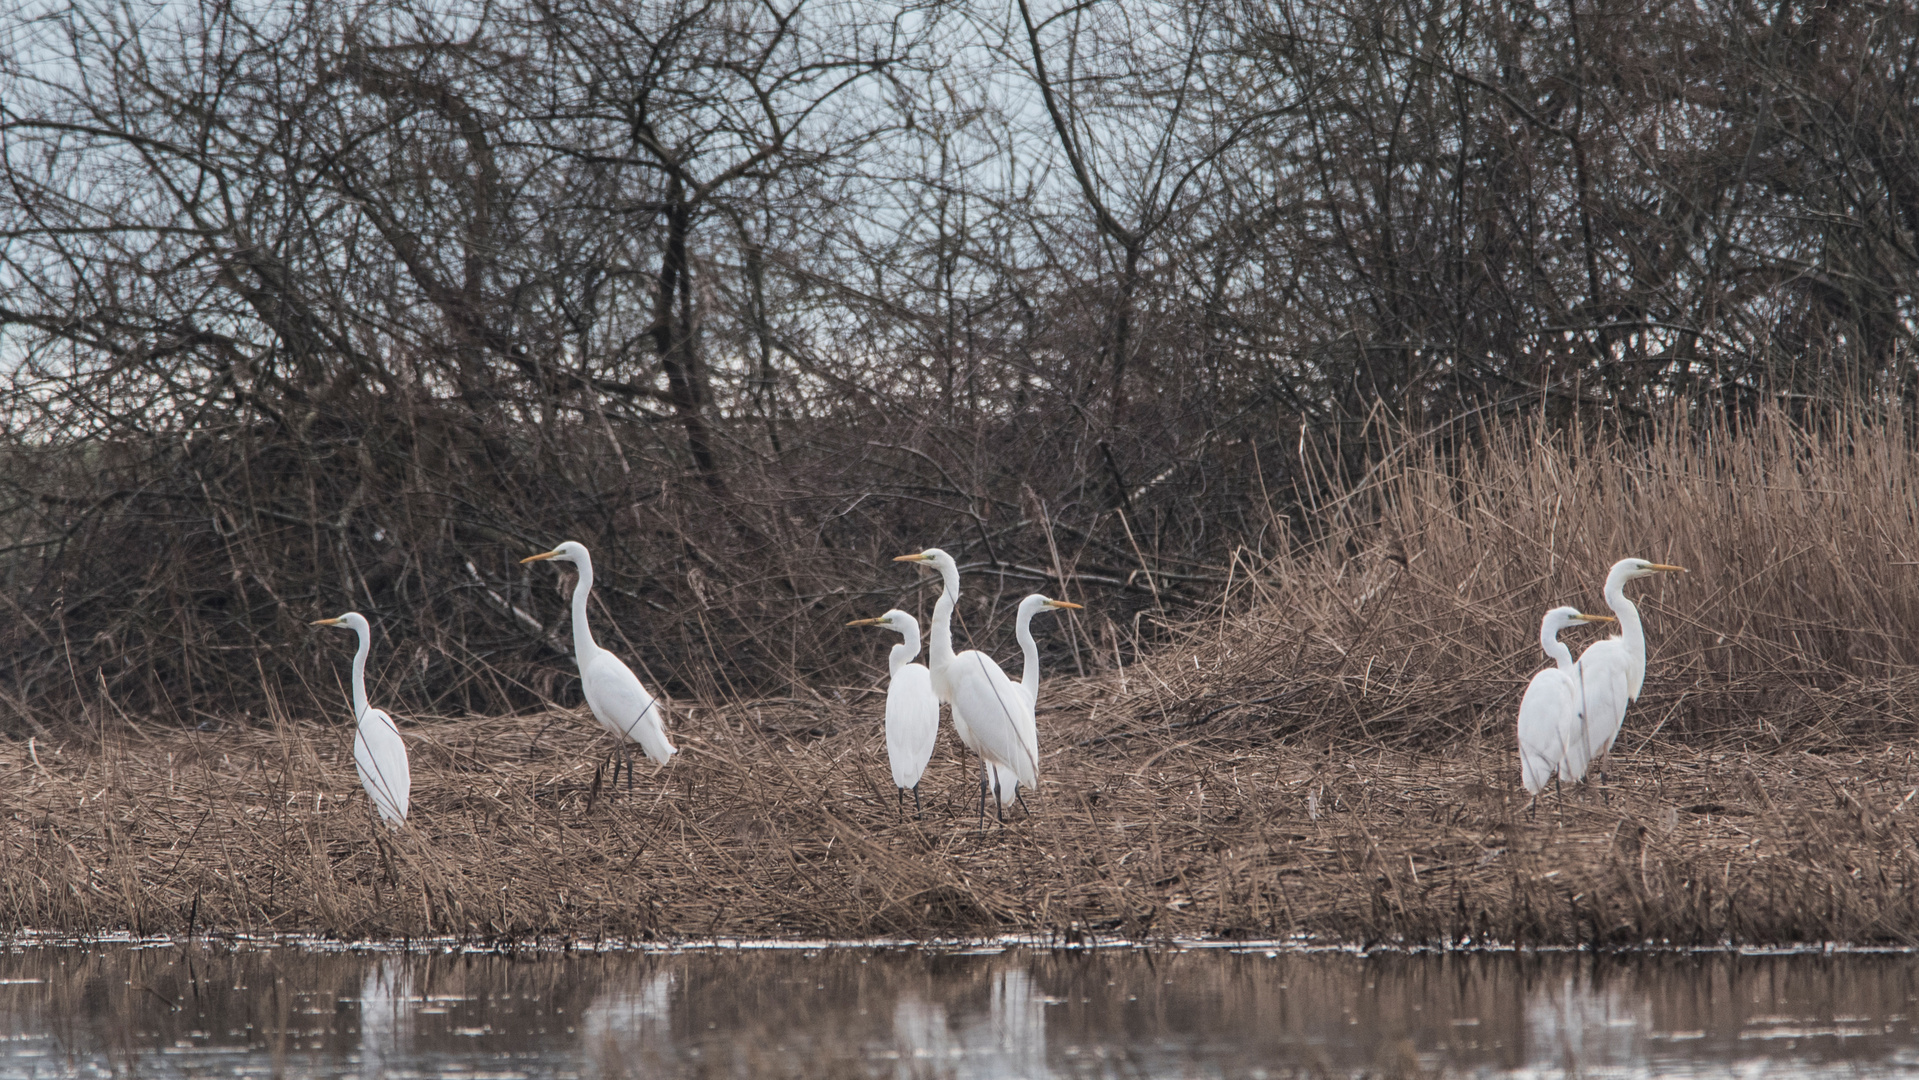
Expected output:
(779, 819)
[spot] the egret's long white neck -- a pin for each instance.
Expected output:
(584, 647)
(359, 673)
(1555, 648)
(907, 651)
(1630, 629)
(940, 651)
(1023, 629)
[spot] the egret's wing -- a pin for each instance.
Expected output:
(993, 707)
(1029, 730)
(1007, 779)
(964, 732)
(380, 757)
(616, 697)
(1546, 715)
(912, 724)
(1605, 689)
(1007, 782)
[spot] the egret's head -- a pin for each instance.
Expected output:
(932, 557)
(894, 620)
(570, 551)
(1628, 569)
(352, 620)
(1560, 618)
(1040, 603)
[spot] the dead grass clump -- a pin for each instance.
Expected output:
(1414, 618)
(752, 833)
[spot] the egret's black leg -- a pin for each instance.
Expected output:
(984, 773)
(917, 812)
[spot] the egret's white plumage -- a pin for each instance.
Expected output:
(1612, 671)
(621, 705)
(378, 753)
(1550, 735)
(990, 711)
(912, 709)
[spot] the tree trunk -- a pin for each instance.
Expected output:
(675, 338)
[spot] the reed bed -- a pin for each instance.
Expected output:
(1326, 752)
(1413, 617)
(778, 820)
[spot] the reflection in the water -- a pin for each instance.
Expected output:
(905, 1014)
(385, 1014)
(921, 1034)
(1010, 1039)
(1575, 1023)
(626, 1025)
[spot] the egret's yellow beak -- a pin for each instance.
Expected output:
(1064, 604)
(537, 558)
(867, 622)
(1664, 569)
(921, 557)
(1596, 618)
(324, 622)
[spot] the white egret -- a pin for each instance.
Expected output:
(1612, 671)
(912, 709)
(613, 692)
(987, 706)
(378, 753)
(1029, 678)
(1549, 730)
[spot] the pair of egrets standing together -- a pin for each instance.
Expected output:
(613, 692)
(1572, 713)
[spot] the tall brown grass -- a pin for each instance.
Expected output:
(1413, 614)
(1328, 753)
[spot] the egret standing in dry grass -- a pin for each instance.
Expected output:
(1550, 735)
(613, 692)
(378, 753)
(989, 709)
(1612, 671)
(912, 709)
(1029, 678)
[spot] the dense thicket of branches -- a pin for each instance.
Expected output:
(351, 304)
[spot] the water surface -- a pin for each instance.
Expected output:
(122, 1009)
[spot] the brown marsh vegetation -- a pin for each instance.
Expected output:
(1329, 753)
(778, 821)
(1232, 331)
(480, 277)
